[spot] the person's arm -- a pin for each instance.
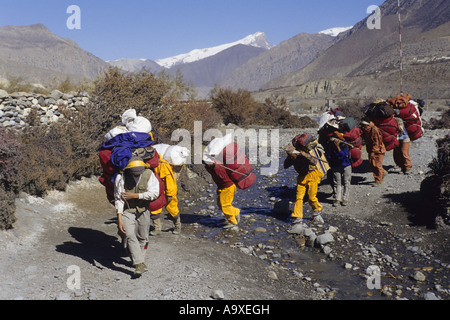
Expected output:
(152, 192)
(312, 160)
(289, 162)
(119, 203)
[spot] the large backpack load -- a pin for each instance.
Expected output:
(354, 137)
(175, 155)
(322, 164)
(306, 142)
(238, 166)
(121, 145)
(379, 110)
(412, 120)
(226, 153)
(110, 170)
(400, 101)
(390, 130)
(382, 115)
(410, 112)
(302, 141)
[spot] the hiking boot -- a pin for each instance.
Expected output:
(344, 203)
(230, 226)
(177, 223)
(407, 171)
(156, 227)
(336, 203)
(297, 221)
(317, 219)
(140, 269)
(397, 170)
(376, 184)
(232, 221)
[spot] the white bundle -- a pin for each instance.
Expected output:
(176, 155)
(135, 123)
(128, 116)
(325, 118)
(115, 132)
(161, 149)
(215, 147)
(139, 124)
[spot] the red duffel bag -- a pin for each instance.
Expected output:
(238, 166)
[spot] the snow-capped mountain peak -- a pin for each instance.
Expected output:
(334, 32)
(257, 39)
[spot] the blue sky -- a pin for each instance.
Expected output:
(159, 29)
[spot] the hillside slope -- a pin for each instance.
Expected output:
(35, 54)
(289, 56)
(372, 57)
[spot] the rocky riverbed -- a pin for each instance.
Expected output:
(386, 228)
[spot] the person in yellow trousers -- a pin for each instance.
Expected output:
(165, 172)
(308, 180)
(226, 190)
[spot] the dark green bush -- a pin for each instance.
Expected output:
(436, 186)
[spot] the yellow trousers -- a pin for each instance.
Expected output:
(307, 184)
(171, 207)
(225, 203)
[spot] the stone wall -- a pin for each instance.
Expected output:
(15, 107)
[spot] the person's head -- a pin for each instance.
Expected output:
(136, 166)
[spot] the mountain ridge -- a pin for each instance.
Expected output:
(257, 39)
(35, 54)
(288, 56)
(372, 56)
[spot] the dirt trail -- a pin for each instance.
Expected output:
(76, 228)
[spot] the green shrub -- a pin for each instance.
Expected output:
(238, 107)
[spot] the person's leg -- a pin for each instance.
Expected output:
(301, 191)
(405, 155)
(129, 221)
(142, 231)
(347, 178)
(337, 180)
(156, 219)
(225, 202)
(376, 163)
(313, 187)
